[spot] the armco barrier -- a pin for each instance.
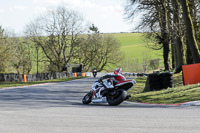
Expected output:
(129, 74)
(12, 77)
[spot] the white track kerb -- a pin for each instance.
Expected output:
(191, 103)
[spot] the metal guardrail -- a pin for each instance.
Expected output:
(127, 74)
(135, 74)
(12, 77)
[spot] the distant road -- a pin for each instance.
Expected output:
(57, 108)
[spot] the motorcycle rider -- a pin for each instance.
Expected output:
(94, 71)
(116, 77)
(113, 79)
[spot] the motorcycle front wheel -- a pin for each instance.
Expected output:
(94, 74)
(87, 98)
(117, 99)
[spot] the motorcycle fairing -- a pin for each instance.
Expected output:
(126, 85)
(97, 98)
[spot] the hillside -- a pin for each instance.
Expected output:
(134, 46)
(135, 50)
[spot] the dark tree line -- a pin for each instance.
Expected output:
(174, 27)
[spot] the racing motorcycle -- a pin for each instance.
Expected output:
(94, 72)
(107, 92)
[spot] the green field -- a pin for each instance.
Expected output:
(136, 53)
(134, 46)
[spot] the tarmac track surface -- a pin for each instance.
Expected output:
(57, 108)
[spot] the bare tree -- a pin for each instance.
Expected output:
(23, 55)
(100, 51)
(34, 38)
(58, 31)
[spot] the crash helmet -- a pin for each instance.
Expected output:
(118, 71)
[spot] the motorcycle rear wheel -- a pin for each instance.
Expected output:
(113, 101)
(87, 98)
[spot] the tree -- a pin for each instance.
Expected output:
(7, 51)
(178, 37)
(23, 63)
(174, 22)
(100, 51)
(34, 39)
(58, 33)
(163, 22)
(190, 33)
(155, 21)
(94, 29)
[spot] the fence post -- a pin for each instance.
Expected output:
(83, 74)
(24, 77)
(75, 74)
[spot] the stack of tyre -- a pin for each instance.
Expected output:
(166, 80)
(160, 81)
(154, 82)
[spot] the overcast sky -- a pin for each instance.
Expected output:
(107, 15)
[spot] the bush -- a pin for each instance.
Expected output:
(154, 63)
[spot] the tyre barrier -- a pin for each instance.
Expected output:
(160, 81)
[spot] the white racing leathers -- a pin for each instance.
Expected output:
(97, 88)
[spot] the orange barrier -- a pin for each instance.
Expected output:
(75, 74)
(191, 74)
(83, 74)
(24, 78)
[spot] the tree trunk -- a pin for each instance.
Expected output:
(166, 55)
(189, 54)
(173, 53)
(165, 37)
(37, 49)
(190, 34)
(180, 57)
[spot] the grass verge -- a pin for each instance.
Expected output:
(178, 94)
(15, 84)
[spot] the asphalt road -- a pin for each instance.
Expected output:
(57, 108)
